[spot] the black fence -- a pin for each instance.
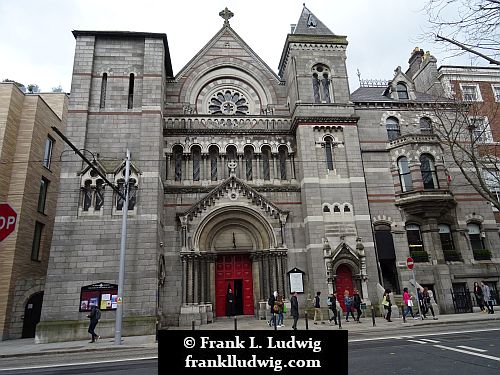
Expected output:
(462, 301)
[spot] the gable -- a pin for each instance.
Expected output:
(227, 67)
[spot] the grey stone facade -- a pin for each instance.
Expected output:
(239, 172)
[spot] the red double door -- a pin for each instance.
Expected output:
(343, 282)
(235, 272)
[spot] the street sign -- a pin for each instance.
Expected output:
(8, 220)
(409, 263)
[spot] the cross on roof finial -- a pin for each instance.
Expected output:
(226, 14)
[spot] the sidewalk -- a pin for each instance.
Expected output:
(27, 347)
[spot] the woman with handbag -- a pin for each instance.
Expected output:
(407, 299)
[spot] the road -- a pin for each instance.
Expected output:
(456, 349)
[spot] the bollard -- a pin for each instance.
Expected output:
(340, 320)
(307, 322)
(192, 325)
(373, 316)
(404, 317)
(235, 323)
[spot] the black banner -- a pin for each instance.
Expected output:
(252, 352)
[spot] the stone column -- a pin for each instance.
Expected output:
(272, 271)
(189, 284)
(257, 286)
(203, 272)
(279, 274)
(203, 170)
(257, 162)
(184, 279)
(168, 167)
(241, 173)
(283, 218)
(274, 168)
(292, 161)
(224, 171)
(196, 280)
(436, 252)
(211, 278)
(265, 274)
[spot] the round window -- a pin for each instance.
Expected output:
(228, 102)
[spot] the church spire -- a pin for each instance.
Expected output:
(309, 24)
(226, 14)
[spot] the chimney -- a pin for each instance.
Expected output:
(415, 61)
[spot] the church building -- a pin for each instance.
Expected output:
(250, 180)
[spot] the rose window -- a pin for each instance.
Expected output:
(228, 102)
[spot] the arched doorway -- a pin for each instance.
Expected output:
(32, 312)
(343, 282)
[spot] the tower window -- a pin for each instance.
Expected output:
(104, 84)
(248, 163)
(283, 155)
(329, 153)
(321, 83)
(214, 156)
(196, 157)
(131, 91)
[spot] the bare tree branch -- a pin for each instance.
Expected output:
(465, 48)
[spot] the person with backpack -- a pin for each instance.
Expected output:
(317, 309)
(348, 307)
(478, 293)
(94, 316)
(271, 302)
(280, 309)
(332, 305)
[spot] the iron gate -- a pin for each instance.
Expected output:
(462, 302)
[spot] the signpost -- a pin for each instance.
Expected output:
(8, 220)
(409, 264)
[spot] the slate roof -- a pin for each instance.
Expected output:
(307, 18)
(376, 94)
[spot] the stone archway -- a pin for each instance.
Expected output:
(234, 246)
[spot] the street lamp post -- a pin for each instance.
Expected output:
(121, 274)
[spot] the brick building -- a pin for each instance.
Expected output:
(29, 182)
(247, 179)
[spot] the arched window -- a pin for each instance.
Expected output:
(428, 170)
(404, 174)
(326, 208)
(196, 158)
(402, 90)
(329, 153)
(104, 84)
(132, 194)
(231, 152)
(414, 238)
(87, 195)
(131, 91)
(178, 162)
(214, 157)
(336, 208)
(346, 208)
(248, 162)
(283, 155)
(475, 238)
(99, 194)
(425, 125)
(321, 83)
(392, 126)
(266, 156)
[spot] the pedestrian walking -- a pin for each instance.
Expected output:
(294, 310)
(422, 304)
(478, 293)
(94, 316)
(428, 299)
(271, 302)
(407, 299)
(356, 302)
(487, 298)
(387, 303)
(348, 307)
(332, 305)
(281, 307)
(317, 309)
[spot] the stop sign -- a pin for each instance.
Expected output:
(8, 219)
(409, 263)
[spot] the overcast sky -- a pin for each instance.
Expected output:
(36, 44)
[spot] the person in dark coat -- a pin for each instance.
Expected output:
(294, 310)
(332, 305)
(356, 302)
(229, 303)
(94, 316)
(478, 293)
